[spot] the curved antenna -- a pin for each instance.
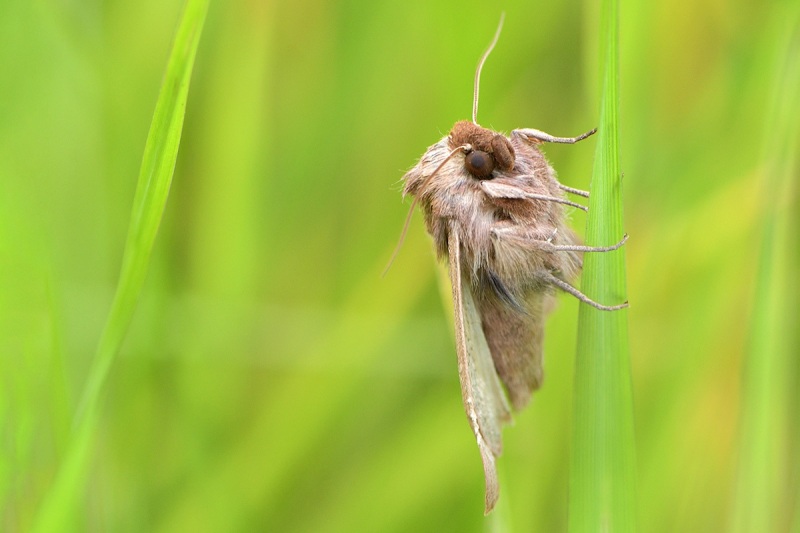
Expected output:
(488, 51)
(463, 147)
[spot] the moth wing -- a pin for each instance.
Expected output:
(484, 400)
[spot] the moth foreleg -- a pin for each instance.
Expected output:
(504, 190)
(570, 190)
(538, 136)
(550, 279)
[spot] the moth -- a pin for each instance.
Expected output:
(495, 210)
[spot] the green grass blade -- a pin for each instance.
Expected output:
(155, 177)
(602, 476)
(766, 396)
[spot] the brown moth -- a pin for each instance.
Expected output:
(495, 210)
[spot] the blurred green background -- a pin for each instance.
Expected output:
(271, 380)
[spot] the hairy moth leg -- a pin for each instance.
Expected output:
(550, 279)
(571, 190)
(538, 136)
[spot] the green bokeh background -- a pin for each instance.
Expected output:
(272, 380)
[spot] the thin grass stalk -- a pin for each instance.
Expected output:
(602, 495)
(59, 508)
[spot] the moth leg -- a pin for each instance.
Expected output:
(547, 245)
(502, 190)
(578, 192)
(557, 200)
(580, 248)
(566, 287)
(537, 136)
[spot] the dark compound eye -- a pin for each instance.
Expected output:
(479, 164)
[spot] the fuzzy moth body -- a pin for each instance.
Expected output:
(495, 210)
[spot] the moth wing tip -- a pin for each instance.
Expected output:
(490, 474)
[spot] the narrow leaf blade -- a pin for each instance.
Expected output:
(60, 506)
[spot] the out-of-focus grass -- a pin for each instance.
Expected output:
(602, 489)
(58, 510)
(271, 379)
(767, 405)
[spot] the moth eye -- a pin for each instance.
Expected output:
(479, 164)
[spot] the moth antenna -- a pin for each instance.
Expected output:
(464, 148)
(488, 51)
(402, 237)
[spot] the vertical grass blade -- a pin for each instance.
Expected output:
(602, 476)
(158, 163)
(761, 500)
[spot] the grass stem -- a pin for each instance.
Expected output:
(602, 495)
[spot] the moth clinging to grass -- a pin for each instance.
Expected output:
(495, 210)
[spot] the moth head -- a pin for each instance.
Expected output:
(488, 151)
